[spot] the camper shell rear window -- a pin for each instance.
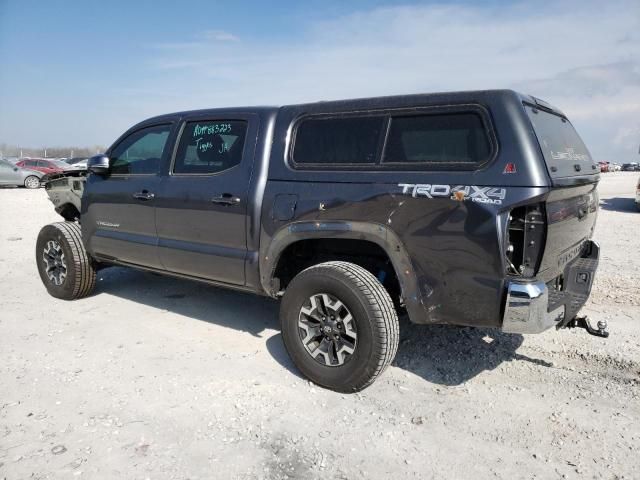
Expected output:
(564, 151)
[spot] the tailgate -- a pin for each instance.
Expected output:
(572, 205)
(571, 216)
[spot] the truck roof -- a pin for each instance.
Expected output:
(366, 103)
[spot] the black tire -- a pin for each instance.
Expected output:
(79, 272)
(32, 182)
(371, 307)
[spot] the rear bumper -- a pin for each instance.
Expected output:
(533, 306)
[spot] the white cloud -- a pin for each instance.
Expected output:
(627, 137)
(582, 56)
(220, 36)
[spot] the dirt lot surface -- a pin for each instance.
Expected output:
(153, 377)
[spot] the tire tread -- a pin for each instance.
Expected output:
(84, 271)
(385, 318)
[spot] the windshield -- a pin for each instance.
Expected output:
(564, 151)
(59, 163)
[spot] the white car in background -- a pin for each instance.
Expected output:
(13, 175)
(81, 165)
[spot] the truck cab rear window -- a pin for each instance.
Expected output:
(456, 138)
(338, 141)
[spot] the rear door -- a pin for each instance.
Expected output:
(202, 206)
(45, 167)
(118, 217)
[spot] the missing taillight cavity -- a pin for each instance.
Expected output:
(525, 240)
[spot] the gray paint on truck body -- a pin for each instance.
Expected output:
(447, 251)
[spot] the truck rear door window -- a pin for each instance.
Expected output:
(564, 151)
(208, 147)
(338, 141)
(436, 139)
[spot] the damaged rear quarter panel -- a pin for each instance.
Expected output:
(453, 248)
(452, 234)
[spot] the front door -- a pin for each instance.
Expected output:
(118, 210)
(202, 205)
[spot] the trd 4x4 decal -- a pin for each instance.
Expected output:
(491, 195)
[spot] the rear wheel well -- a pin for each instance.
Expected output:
(369, 255)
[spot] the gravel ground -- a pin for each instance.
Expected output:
(154, 377)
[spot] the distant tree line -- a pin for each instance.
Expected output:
(8, 150)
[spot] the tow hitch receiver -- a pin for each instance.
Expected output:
(583, 322)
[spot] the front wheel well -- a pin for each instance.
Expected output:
(369, 255)
(69, 212)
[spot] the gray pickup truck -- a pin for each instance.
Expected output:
(470, 208)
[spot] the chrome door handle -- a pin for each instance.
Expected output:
(226, 199)
(144, 195)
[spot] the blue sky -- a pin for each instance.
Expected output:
(80, 72)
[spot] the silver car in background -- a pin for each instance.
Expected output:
(21, 177)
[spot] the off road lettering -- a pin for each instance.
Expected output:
(490, 195)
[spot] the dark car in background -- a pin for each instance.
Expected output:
(630, 167)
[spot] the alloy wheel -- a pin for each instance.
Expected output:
(32, 182)
(54, 262)
(327, 330)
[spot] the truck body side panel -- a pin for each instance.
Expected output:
(455, 247)
(446, 230)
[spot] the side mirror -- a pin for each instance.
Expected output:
(15, 169)
(98, 164)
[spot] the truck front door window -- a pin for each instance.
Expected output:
(140, 152)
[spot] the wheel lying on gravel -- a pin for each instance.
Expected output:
(64, 266)
(32, 182)
(339, 325)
